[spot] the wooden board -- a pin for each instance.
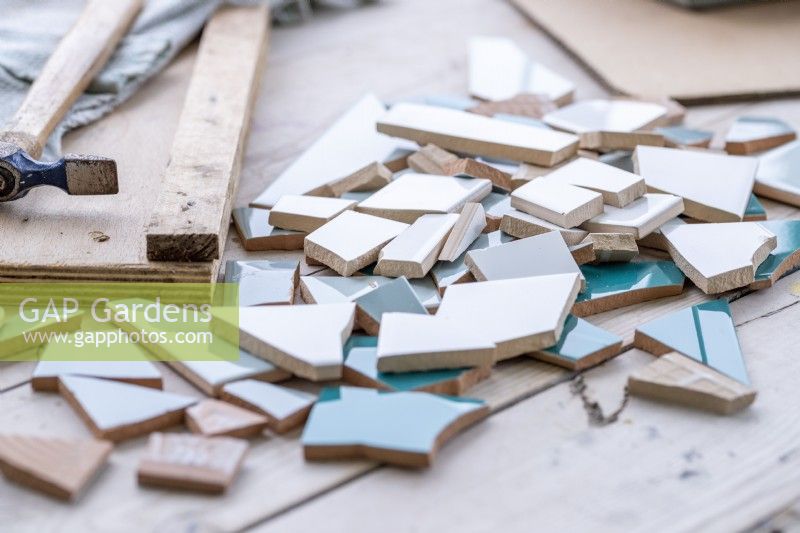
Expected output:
(652, 48)
(191, 216)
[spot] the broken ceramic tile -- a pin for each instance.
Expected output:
(778, 175)
(351, 422)
(119, 411)
(705, 332)
(755, 134)
(413, 253)
(468, 227)
(361, 369)
(305, 340)
(256, 234)
(395, 296)
(210, 376)
(335, 155)
(284, 408)
(477, 135)
(618, 187)
(368, 178)
(430, 159)
(191, 462)
(514, 259)
(612, 141)
(639, 218)
(143, 373)
(495, 205)
(214, 418)
(606, 116)
(522, 225)
(351, 241)
(582, 252)
(676, 378)
(719, 257)
(413, 342)
(559, 203)
(506, 314)
(614, 285)
(522, 108)
(446, 273)
(613, 247)
(621, 159)
(412, 195)
(306, 213)
(679, 136)
(499, 69)
(784, 258)
(263, 282)
(59, 467)
(714, 187)
(526, 173)
(754, 211)
(581, 346)
(470, 168)
(335, 289)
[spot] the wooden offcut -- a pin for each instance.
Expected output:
(191, 216)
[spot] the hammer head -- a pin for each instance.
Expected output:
(74, 174)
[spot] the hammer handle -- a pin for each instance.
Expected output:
(75, 62)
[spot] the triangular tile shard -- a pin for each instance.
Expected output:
(284, 408)
(705, 332)
(784, 258)
(306, 213)
(618, 187)
(61, 468)
(351, 241)
(257, 235)
(613, 247)
(639, 218)
(397, 296)
(522, 225)
(264, 282)
(755, 210)
(191, 462)
(413, 253)
(446, 273)
(335, 155)
(678, 136)
(400, 428)
(755, 134)
(411, 342)
(335, 289)
(614, 285)
(499, 70)
(361, 369)
(583, 252)
(476, 135)
(214, 418)
(714, 187)
(412, 195)
(143, 373)
(468, 227)
(506, 314)
(210, 376)
(559, 203)
(430, 159)
(678, 379)
(778, 175)
(370, 177)
(471, 168)
(305, 340)
(119, 411)
(719, 257)
(581, 345)
(515, 259)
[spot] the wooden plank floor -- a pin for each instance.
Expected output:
(539, 463)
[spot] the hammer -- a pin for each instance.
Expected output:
(75, 62)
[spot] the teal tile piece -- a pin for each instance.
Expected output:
(704, 332)
(754, 209)
(445, 273)
(396, 296)
(788, 234)
(581, 340)
(406, 422)
(681, 136)
(263, 282)
(361, 354)
(608, 279)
